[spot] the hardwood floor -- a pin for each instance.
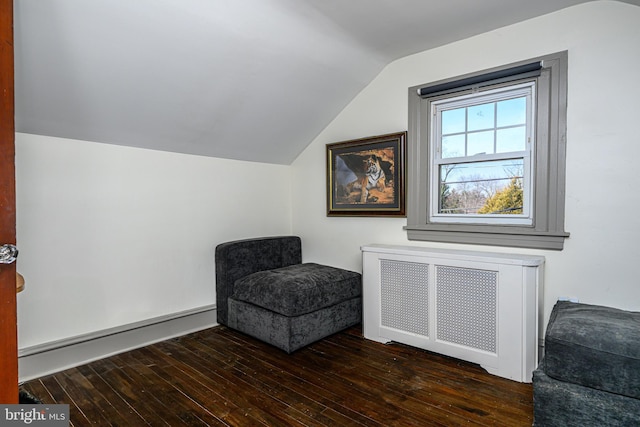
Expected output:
(222, 377)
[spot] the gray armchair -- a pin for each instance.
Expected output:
(264, 290)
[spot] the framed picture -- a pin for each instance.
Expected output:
(365, 177)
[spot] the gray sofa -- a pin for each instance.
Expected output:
(264, 290)
(590, 373)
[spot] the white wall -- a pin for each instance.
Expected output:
(111, 235)
(599, 262)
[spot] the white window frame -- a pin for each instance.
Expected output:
(548, 161)
(436, 160)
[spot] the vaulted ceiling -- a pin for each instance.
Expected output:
(245, 79)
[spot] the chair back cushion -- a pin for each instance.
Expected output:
(240, 258)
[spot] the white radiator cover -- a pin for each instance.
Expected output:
(476, 306)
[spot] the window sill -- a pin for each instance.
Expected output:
(511, 238)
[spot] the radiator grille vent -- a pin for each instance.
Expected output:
(481, 307)
(405, 296)
(467, 312)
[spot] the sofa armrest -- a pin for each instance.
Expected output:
(237, 259)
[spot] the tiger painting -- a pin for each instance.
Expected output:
(374, 177)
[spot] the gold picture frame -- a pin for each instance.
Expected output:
(366, 177)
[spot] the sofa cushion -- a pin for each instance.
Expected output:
(594, 346)
(298, 289)
(562, 404)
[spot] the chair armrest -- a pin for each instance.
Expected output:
(237, 259)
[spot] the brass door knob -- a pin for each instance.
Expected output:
(19, 282)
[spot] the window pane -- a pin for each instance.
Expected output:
(511, 139)
(453, 146)
(492, 187)
(480, 143)
(481, 117)
(512, 112)
(453, 121)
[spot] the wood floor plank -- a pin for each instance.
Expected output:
(245, 370)
(114, 407)
(59, 395)
(328, 396)
(417, 399)
(247, 406)
(203, 389)
(365, 398)
(84, 395)
(38, 390)
(145, 404)
(224, 378)
(297, 401)
(169, 393)
(250, 402)
(375, 403)
(441, 371)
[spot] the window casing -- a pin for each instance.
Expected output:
(502, 136)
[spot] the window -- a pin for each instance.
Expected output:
(486, 156)
(481, 157)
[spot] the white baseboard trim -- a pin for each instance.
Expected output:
(44, 359)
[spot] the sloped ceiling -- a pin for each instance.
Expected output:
(245, 79)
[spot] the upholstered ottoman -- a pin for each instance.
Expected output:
(590, 373)
(280, 300)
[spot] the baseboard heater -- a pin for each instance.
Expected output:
(55, 356)
(476, 306)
